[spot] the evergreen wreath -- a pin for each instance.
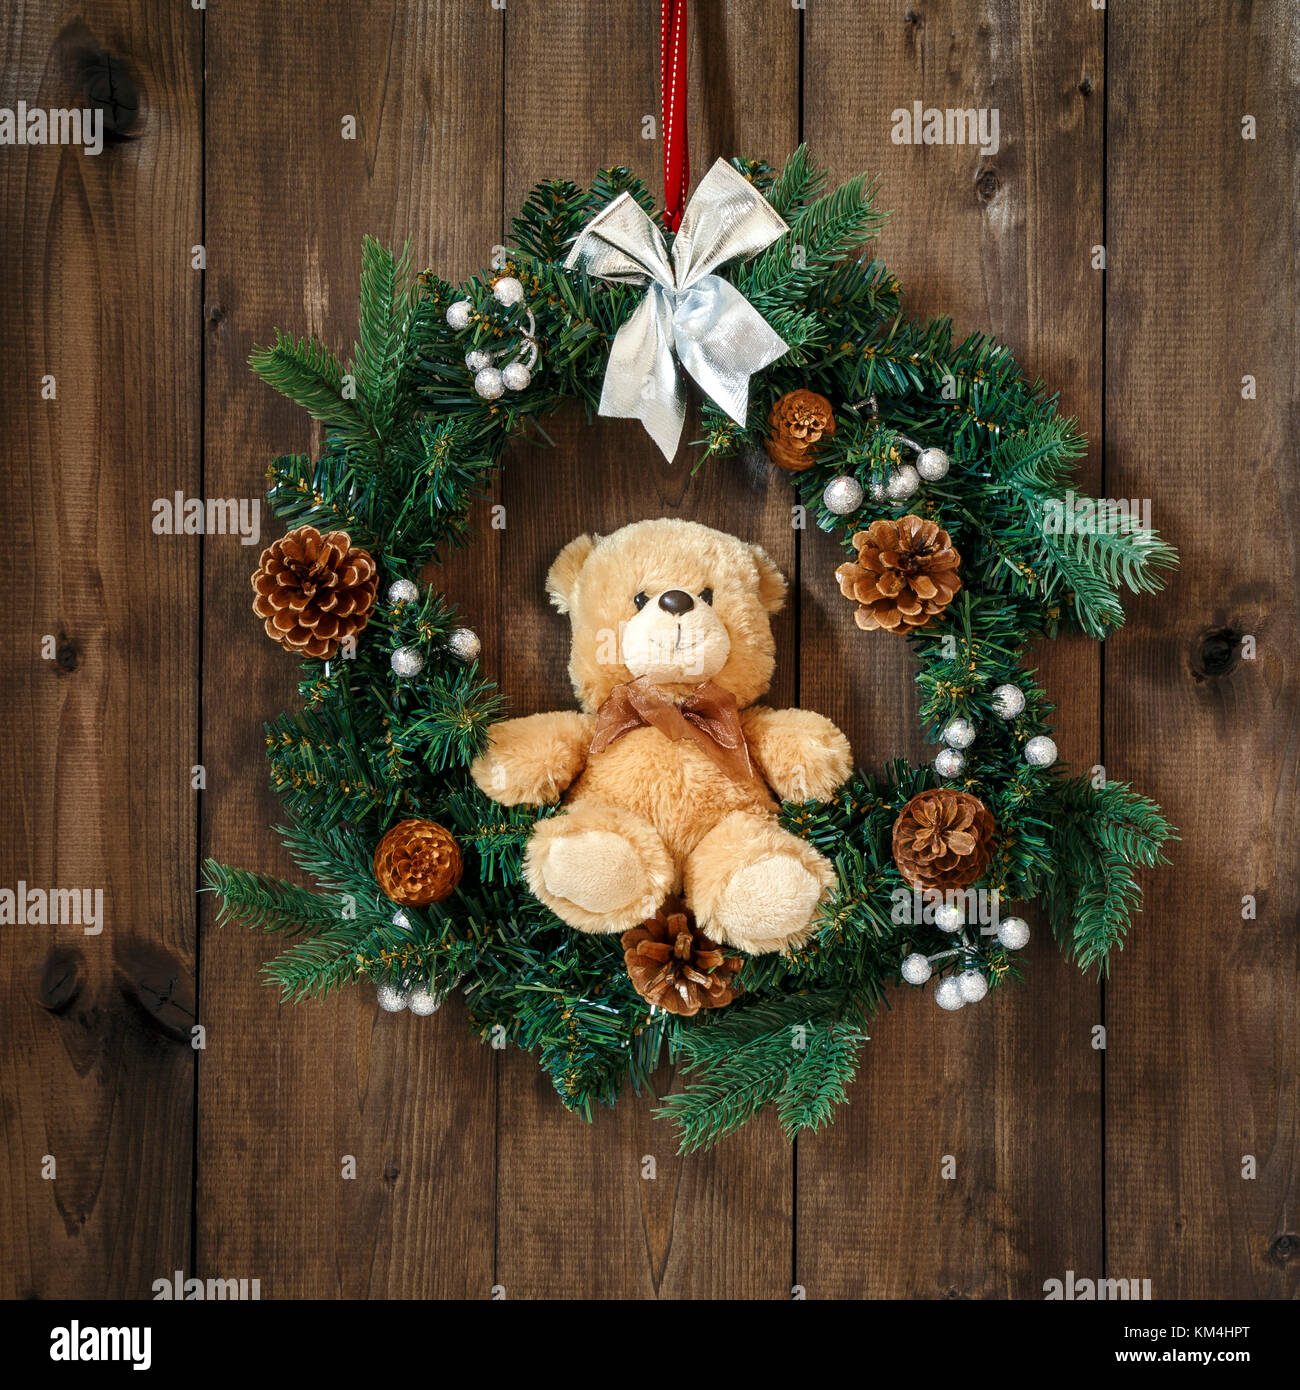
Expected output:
(393, 715)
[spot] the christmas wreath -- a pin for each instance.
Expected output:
(943, 470)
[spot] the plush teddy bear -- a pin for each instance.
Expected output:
(670, 767)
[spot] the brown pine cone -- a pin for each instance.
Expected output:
(418, 862)
(674, 965)
(314, 591)
(943, 839)
(906, 574)
(798, 421)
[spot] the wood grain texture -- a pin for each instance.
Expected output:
(1202, 1012)
(1009, 1089)
(469, 1175)
(99, 738)
(286, 1093)
(574, 1210)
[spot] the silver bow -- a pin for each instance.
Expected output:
(716, 333)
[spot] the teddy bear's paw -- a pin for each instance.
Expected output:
(530, 761)
(599, 869)
(755, 886)
(768, 905)
(803, 755)
(595, 870)
(825, 769)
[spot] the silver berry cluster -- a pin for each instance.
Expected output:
(843, 495)
(462, 644)
(968, 984)
(416, 998)
(1008, 703)
(492, 381)
(957, 735)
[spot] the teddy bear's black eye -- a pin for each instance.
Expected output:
(707, 595)
(641, 600)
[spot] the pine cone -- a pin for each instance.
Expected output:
(314, 591)
(906, 574)
(674, 965)
(943, 839)
(418, 862)
(798, 421)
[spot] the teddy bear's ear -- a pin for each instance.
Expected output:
(771, 582)
(562, 577)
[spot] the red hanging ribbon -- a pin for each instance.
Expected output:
(672, 86)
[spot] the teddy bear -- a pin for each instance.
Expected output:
(670, 773)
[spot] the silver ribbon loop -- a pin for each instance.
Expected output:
(688, 312)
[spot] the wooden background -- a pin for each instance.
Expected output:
(1120, 128)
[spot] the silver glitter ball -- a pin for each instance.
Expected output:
(903, 482)
(948, 995)
(1008, 701)
(516, 376)
(949, 762)
(972, 984)
(842, 495)
(1013, 933)
(948, 917)
(915, 969)
(403, 591)
(1040, 751)
(458, 314)
(401, 921)
(391, 999)
(932, 464)
(878, 492)
(958, 733)
(423, 1001)
(507, 290)
(464, 645)
(488, 383)
(407, 661)
(478, 359)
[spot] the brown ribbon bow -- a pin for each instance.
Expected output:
(707, 716)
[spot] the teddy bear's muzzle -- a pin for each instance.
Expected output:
(675, 639)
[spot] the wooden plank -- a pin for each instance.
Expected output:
(96, 1069)
(576, 1218)
(1010, 1088)
(1203, 1018)
(286, 1093)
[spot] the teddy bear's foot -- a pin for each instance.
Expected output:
(755, 886)
(599, 868)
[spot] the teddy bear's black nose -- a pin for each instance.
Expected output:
(676, 601)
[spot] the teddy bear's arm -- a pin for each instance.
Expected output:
(802, 755)
(533, 760)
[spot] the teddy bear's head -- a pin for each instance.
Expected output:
(668, 599)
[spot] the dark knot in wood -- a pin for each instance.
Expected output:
(160, 987)
(109, 88)
(62, 978)
(66, 655)
(1217, 652)
(987, 185)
